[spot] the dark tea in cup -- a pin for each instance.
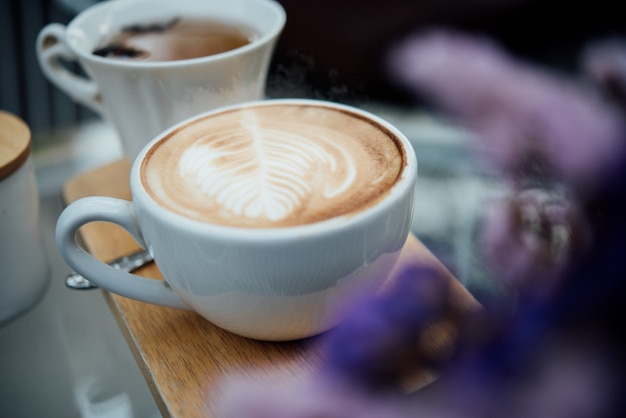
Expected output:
(177, 39)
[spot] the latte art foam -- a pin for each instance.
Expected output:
(272, 165)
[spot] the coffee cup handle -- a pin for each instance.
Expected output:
(51, 49)
(122, 213)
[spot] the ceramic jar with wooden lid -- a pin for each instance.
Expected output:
(24, 267)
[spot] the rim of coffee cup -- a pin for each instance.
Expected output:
(75, 34)
(402, 186)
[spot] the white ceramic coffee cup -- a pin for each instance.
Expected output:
(24, 268)
(264, 283)
(141, 99)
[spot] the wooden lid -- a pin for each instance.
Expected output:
(14, 143)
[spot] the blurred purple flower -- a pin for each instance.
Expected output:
(529, 239)
(559, 377)
(605, 63)
(309, 397)
(376, 343)
(528, 121)
(563, 378)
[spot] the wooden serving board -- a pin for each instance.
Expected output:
(185, 358)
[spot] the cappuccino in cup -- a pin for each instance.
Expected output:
(273, 165)
(262, 217)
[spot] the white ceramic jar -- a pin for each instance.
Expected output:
(24, 267)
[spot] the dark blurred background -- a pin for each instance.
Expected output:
(332, 49)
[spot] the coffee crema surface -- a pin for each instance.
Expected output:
(275, 165)
(178, 39)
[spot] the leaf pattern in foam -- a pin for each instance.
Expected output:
(262, 172)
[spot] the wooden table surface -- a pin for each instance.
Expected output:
(185, 358)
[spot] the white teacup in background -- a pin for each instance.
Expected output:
(23, 262)
(262, 217)
(143, 98)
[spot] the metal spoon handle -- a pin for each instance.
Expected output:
(128, 263)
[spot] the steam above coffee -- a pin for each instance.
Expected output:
(177, 39)
(273, 165)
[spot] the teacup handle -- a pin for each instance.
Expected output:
(122, 213)
(51, 48)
